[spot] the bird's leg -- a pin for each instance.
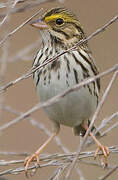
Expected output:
(104, 149)
(34, 156)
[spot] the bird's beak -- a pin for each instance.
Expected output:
(39, 23)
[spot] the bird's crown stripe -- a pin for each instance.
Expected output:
(55, 16)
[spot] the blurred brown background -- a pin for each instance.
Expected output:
(25, 137)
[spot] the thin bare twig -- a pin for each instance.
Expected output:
(3, 21)
(106, 121)
(56, 160)
(19, 27)
(81, 175)
(109, 173)
(6, 153)
(109, 129)
(4, 56)
(3, 69)
(26, 6)
(22, 53)
(30, 72)
(9, 3)
(58, 172)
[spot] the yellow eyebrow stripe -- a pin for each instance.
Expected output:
(56, 16)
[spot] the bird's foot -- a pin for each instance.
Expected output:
(105, 151)
(35, 156)
(30, 159)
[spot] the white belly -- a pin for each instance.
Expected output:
(74, 107)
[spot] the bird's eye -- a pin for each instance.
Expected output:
(59, 21)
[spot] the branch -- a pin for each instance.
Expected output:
(22, 53)
(109, 173)
(107, 121)
(32, 70)
(56, 160)
(58, 172)
(19, 27)
(27, 4)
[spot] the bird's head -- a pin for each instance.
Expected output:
(62, 24)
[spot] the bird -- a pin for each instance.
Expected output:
(60, 30)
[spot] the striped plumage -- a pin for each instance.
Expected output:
(60, 30)
(68, 70)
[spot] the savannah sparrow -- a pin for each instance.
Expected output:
(60, 30)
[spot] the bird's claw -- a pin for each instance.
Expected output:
(28, 160)
(105, 151)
